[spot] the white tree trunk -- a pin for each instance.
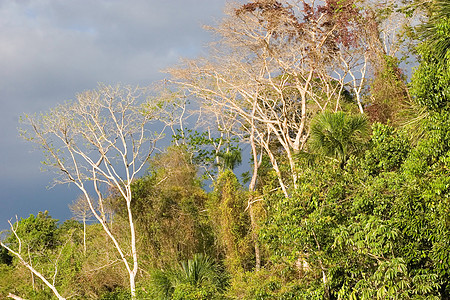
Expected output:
(15, 297)
(251, 189)
(33, 270)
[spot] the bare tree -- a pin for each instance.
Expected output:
(276, 64)
(101, 142)
(82, 212)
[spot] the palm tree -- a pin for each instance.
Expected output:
(338, 135)
(437, 30)
(200, 272)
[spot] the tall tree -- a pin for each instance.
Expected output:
(169, 210)
(277, 64)
(82, 212)
(231, 223)
(99, 142)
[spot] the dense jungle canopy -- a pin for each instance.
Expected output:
(306, 156)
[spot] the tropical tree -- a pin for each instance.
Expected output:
(101, 142)
(430, 82)
(169, 208)
(373, 230)
(196, 278)
(82, 212)
(276, 65)
(338, 135)
(231, 223)
(211, 153)
(436, 31)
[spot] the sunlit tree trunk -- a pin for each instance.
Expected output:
(19, 256)
(101, 142)
(251, 189)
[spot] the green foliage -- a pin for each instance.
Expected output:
(118, 294)
(376, 227)
(231, 223)
(388, 89)
(389, 149)
(436, 31)
(47, 247)
(169, 210)
(214, 154)
(432, 150)
(300, 231)
(196, 278)
(100, 272)
(5, 257)
(268, 283)
(198, 270)
(8, 282)
(190, 292)
(373, 230)
(391, 231)
(338, 135)
(431, 81)
(37, 232)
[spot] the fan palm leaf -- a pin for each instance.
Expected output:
(338, 135)
(196, 272)
(436, 32)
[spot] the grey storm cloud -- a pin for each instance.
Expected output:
(52, 49)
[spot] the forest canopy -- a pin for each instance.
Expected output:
(301, 158)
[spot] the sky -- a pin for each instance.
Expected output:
(50, 50)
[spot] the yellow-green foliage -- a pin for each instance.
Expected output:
(389, 92)
(169, 210)
(227, 211)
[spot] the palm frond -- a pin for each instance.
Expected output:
(436, 32)
(338, 135)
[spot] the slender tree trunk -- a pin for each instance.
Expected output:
(102, 220)
(84, 235)
(132, 272)
(251, 189)
(32, 269)
(132, 286)
(274, 162)
(15, 297)
(358, 99)
(293, 168)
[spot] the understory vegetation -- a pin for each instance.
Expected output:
(317, 170)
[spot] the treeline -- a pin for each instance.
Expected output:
(345, 196)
